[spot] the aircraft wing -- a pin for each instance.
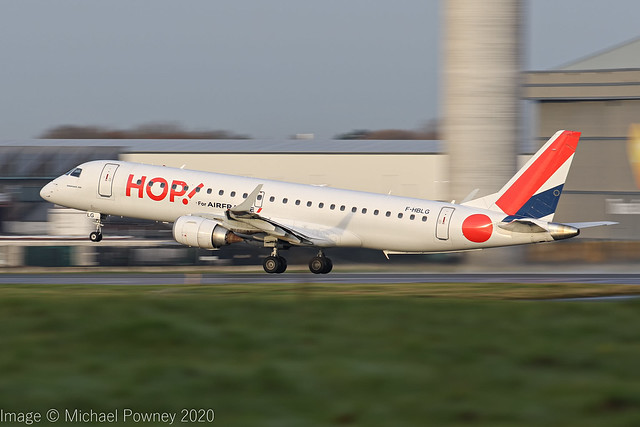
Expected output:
(243, 220)
(254, 223)
(271, 227)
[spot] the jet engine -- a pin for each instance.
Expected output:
(202, 233)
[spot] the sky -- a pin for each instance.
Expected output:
(269, 69)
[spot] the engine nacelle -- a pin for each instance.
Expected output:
(202, 233)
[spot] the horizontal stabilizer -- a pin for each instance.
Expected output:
(580, 225)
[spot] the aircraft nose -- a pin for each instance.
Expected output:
(47, 190)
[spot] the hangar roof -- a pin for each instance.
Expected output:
(612, 74)
(623, 56)
(241, 145)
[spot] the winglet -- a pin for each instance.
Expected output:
(248, 203)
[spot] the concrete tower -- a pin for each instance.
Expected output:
(482, 64)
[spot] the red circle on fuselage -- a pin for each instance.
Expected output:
(477, 228)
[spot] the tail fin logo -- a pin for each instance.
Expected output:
(535, 190)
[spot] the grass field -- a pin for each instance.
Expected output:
(318, 355)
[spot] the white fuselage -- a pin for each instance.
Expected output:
(350, 218)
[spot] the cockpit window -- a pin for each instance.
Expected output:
(76, 172)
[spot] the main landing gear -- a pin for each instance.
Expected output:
(320, 264)
(96, 236)
(274, 263)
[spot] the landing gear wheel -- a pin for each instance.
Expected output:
(329, 266)
(283, 265)
(96, 236)
(274, 264)
(320, 265)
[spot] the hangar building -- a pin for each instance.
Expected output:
(600, 96)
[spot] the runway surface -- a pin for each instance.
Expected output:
(292, 278)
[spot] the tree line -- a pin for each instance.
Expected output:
(170, 130)
(146, 131)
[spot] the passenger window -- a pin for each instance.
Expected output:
(233, 194)
(74, 174)
(259, 196)
(162, 185)
(364, 210)
(77, 171)
(271, 199)
(388, 214)
(245, 195)
(354, 209)
(221, 192)
(150, 183)
(209, 191)
(424, 219)
(412, 217)
(400, 215)
(174, 186)
(376, 212)
(332, 207)
(321, 205)
(197, 189)
(285, 200)
(309, 204)
(342, 207)
(186, 187)
(297, 202)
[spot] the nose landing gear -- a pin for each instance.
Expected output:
(96, 236)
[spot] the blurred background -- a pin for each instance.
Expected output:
(415, 98)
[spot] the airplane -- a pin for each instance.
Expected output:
(211, 210)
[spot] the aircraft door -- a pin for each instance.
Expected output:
(105, 186)
(442, 227)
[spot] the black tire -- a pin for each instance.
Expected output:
(95, 236)
(283, 265)
(317, 265)
(328, 266)
(272, 264)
